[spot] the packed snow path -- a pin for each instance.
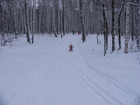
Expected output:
(51, 75)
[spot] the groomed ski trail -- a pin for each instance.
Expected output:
(54, 76)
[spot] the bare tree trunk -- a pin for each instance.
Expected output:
(61, 23)
(33, 25)
(27, 22)
(105, 31)
(3, 39)
(15, 19)
(53, 14)
(63, 18)
(137, 23)
(127, 27)
(132, 23)
(82, 21)
(40, 17)
(119, 25)
(113, 25)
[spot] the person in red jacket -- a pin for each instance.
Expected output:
(79, 32)
(71, 47)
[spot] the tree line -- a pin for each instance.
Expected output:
(60, 17)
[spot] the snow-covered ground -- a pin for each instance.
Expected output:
(46, 73)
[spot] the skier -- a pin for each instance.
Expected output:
(73, 32)
(71, 47)
(79, 32)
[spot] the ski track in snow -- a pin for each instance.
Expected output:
(100, 91)
(56, 77)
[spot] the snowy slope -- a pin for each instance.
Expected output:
(46, 73)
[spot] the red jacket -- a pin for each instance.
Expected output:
(71, 46)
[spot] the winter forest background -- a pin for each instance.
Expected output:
(37, 68)
(119, 18)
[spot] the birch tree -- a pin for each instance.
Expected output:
(113, 25)
(53, 17)
(33, 20)
(27, 21)
(61, 8)
(63, 18)
(82, 21)
(137, 22)
(105, 31)
(127, 26)
(119, 24)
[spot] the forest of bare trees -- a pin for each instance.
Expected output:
(60, 17)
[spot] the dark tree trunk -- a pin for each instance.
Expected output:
(82, 21)
(105, 31)
(119, 25)
(63, 17)
(127, 26)
(27, 22)
(33, 20)
(133, 24)
(137, 23)
(113, 25)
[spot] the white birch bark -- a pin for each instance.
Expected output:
(127, 27)
(82, 21)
